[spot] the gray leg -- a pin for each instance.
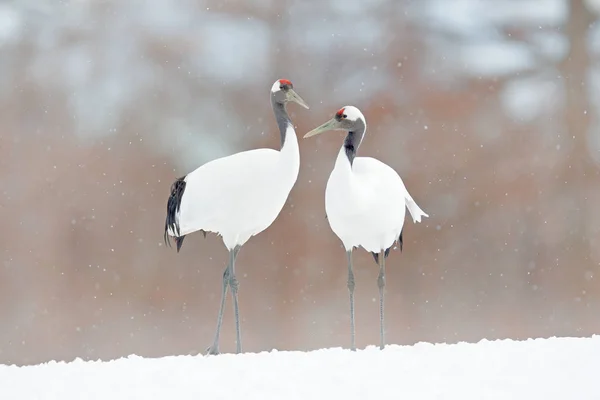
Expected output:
(214, 348)
(381, 286)
(351, 290)
(234, 285)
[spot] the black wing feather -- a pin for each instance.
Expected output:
(173, 206)
(387, 251)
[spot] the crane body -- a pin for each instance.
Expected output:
(365, 202)
(237, 197)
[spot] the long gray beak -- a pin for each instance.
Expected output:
(327, 126)
(293, 96)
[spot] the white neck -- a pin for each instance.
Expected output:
(342, 162)
(290, 152)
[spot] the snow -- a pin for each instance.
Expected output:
(555, 368)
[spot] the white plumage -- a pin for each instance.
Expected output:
(237, 196)
(365, 201)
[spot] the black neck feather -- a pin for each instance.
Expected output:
(282, 117)
(353, 140)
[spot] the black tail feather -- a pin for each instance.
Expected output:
(387, 251)
(173, 206)
(401, 240)
(179, 242)
(376, 255)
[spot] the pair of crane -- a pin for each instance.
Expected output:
(240, 195)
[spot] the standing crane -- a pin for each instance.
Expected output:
(237, 197)
(365, 202)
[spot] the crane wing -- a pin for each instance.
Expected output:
(223, 188)
(383, 180)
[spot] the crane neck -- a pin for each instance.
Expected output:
(353, 140)
(283, 120)
(289, 164)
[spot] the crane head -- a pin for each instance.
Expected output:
(346, 118)
(283, 92)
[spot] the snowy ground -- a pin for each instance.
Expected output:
(557, 368)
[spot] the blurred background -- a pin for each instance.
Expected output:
(488, 109)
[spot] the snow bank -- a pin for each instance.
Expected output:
(556, 368)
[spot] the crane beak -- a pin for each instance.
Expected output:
(293, 96)
(327, 126)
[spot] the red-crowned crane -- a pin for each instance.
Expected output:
(365, 202)
(237, 197)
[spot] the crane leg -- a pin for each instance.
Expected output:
(381, 286)
(351, 290)
(234, 285)
(214, 348)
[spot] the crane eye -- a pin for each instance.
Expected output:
(344, 116)
(281, 87)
